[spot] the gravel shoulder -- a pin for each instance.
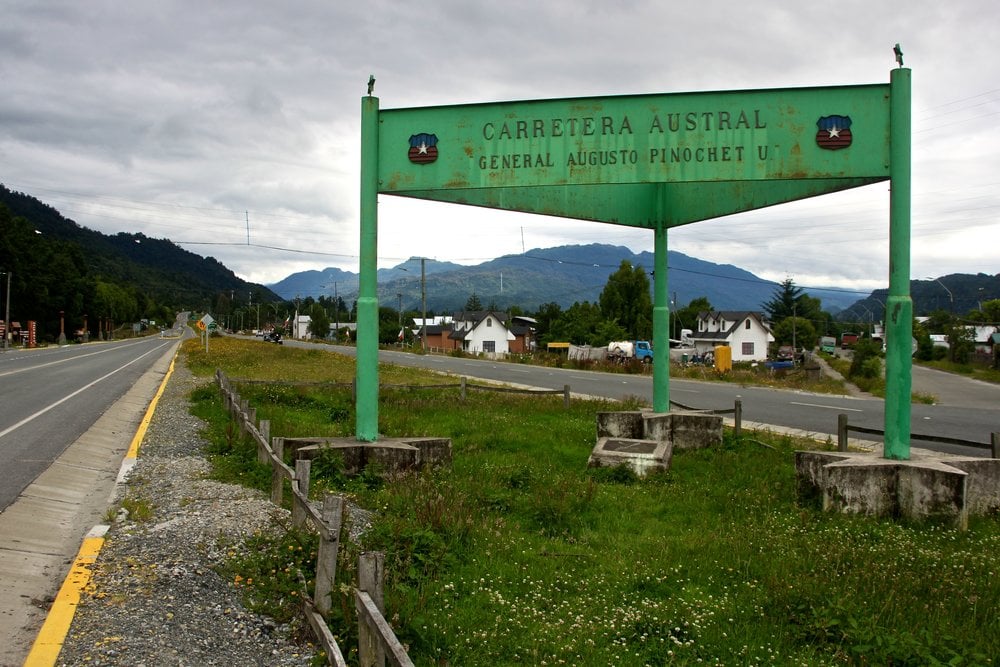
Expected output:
(155, 597)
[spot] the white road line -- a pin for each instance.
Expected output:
(827, 407)
(65, 398)
(74, 358)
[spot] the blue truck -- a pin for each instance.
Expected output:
(623, 350)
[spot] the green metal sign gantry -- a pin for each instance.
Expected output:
(653, 161)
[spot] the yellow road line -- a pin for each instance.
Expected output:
(140, 433)
(49, 641)
(45, 650)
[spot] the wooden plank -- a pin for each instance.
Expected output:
(369, 614)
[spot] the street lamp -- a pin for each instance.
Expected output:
(871, 319)
(951, 297)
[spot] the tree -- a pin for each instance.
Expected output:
(625, 300)
(784, 301)
(991, 309)
(583, 324)
(547, 315)
(961, 343)
(796, 331)
(319, 324)
(473, 304)
(926, 350)
(866, 361)
(789, 300)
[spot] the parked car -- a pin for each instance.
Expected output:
(273, 337)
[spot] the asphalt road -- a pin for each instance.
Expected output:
(967, 409)
(50, 396)
(67, 417)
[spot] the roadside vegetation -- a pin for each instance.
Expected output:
(516, 553)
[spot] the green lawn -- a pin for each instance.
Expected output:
(518, 554)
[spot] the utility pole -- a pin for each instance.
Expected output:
(423, 304)
(6, 317)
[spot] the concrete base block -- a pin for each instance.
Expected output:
(392, 454)
(643, 456)
(646, 440)
(688, 430)
(684, 429)
(929, 486)
(620, 425)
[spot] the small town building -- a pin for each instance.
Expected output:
(744, 331)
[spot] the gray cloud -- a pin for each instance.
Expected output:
(181, 120)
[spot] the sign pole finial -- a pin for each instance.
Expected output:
(371, 81)
(898, 51)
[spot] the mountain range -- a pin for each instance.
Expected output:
(58, 265)
(562, 275)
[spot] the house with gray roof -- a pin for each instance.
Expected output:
(744, 331)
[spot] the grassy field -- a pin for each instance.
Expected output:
(517, 554)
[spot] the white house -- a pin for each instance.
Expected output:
(742, 330)
(481, 331)
(300, 326)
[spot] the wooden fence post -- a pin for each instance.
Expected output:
(995, 442)
(277, 478)
(842, 432)
(738, 418)
(371, 570)
(326, 558)
(265, 437)
(463, 388)
(302, 480)
(242, 418)
(566, 396)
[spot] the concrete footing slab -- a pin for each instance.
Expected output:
(645, 440)
(391, 454)
(643, 456)
(928, 486)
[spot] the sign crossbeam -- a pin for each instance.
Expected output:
(650, 161)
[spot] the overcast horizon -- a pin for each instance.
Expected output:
(233, 129)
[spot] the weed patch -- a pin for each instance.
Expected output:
(516, 553)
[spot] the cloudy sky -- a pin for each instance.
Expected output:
(215, 123)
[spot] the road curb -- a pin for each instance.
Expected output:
(49, 641)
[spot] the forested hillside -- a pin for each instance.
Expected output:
(113, 281)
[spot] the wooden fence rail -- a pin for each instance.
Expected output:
(843, 428)
(463, 385)
(377, 642)
(736, 411)
(372, 626)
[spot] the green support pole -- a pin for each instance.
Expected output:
(899, 305)
(366, 368)
(661, 322)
